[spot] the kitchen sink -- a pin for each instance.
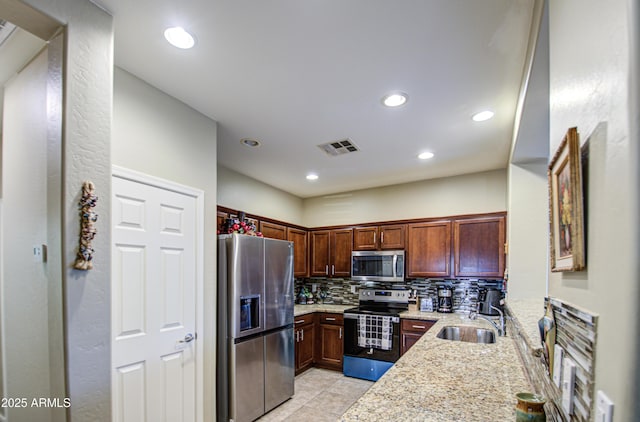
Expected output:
(467, 333)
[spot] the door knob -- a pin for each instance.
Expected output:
(188, 338)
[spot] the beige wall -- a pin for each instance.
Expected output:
(239, 192)
(31, 289)
(88, 73)
(527, 231)
(156, 134)
(468, 194)
(593, 74)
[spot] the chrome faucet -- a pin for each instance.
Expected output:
(500, 329)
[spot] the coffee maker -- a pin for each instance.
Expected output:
(488, 298)
(445, 299)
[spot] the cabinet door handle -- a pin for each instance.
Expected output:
(419, 326)
(300, 321)
(333, 269)
(326, 269)
(374, 238)
(382, 237)
(340, 332)
(302, 335)
(330, 319)
(297, 336)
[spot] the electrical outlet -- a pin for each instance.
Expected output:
(604, 408)
(39, 253)
(354, 289)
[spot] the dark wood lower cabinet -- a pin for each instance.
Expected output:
(410, 332)
(329, 346)
(304, 334)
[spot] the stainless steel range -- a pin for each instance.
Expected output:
(372, 332)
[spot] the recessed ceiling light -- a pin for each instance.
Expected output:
(395, 99)
(312, 176)
(482, 116)
(178, 37)
(250, 142)
(425, 155)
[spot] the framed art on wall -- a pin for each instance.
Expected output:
(565, 206)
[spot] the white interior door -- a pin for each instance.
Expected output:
(155, 304)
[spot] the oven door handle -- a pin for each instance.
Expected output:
(395, 319)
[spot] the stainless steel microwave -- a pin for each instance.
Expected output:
(377, 266)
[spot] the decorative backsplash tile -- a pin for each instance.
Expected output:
(576, 332)
(465, 292)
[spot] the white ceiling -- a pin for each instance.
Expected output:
(297, 73)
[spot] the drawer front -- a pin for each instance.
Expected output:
(303, 320)
(335, 319)
(416, 325)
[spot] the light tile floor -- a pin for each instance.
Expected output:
(320, 395)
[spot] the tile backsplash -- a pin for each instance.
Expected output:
(576, 333)
(341, 291)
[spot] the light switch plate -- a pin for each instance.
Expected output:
(604, 408)
(568, 380)
(558, 354)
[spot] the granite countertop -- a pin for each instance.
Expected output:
(442, 380)
(527, 312)
(319, 307)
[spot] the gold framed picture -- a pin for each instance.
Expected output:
(566, 216)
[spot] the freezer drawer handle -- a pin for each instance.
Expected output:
(188, 338)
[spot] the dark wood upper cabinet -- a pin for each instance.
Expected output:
(221, 219)
(319, 241)
(331, 253)
(365, 238)
(392, 236)
(479, 247)
(273, 231)
(300, 255)
(379, 237)
(460, 246)
(429, 249)
(341, 246)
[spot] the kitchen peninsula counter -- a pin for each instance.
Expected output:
(443, 380)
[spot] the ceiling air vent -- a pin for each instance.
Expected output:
(6, 28)
(339, 147)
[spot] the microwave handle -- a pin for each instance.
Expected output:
(395, 266)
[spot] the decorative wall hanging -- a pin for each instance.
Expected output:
(87, 202)
(241, 225)
(565, 206)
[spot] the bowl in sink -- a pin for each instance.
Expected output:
(467, 334)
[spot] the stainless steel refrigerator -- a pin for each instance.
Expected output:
(255, 353)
